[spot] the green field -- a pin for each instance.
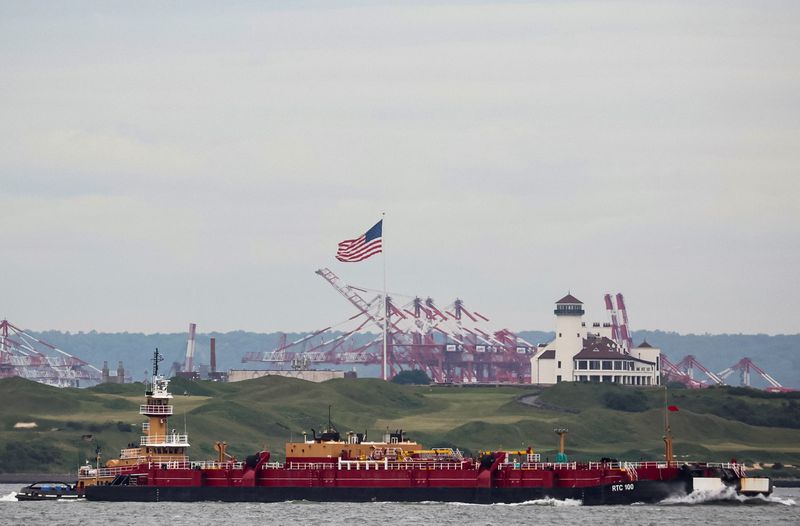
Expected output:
(603, 420)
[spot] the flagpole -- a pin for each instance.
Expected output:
(385, 301)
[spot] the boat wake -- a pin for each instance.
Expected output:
(556, 503)
(725, 495)
(11, 497)
(549, 502)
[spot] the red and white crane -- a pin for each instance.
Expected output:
(688, 365)
(24, 355)
(673, 373)
(452, 344)
(620, 330)
(683, 372)
(744, 367)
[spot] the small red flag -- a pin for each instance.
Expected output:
(672, 408)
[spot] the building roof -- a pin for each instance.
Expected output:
(601, 354)
(569, 298)
(603, 348)
(645, 345)
(548, 355)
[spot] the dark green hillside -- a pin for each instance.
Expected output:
(750, 406)
(603, 420)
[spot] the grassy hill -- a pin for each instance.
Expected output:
(603, 420)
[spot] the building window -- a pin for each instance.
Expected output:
(558, 379)
(559, 335)
(559, 364)
(582, 364)
(617, 365)
(606, 364)
(594, 364)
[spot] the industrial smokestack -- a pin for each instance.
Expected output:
(213, 357)
(105, 373)
(120, 373)
(189, 366)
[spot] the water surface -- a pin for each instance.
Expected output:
(778, 510)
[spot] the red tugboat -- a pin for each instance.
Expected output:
(329, 467)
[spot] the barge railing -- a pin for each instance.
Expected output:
(164, 440)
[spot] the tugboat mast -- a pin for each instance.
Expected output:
(668, 453)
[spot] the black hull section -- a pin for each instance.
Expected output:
(641, 491)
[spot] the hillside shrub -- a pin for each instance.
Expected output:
(415, 377)
(124, 427)
(18, 457)
(633, 401)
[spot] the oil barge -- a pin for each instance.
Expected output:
(330, 467)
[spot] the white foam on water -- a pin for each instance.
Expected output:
(538, 502)
(11, 497)
(772, 499)
(550, 502)
(703, 496)
(727, 494)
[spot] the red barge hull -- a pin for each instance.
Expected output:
(591, 483)
(643, 491)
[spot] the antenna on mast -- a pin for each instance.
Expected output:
(156, 358)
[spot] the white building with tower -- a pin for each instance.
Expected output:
(589, 354)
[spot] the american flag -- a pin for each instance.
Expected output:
(359, 249)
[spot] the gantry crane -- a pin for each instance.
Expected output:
(454, 344)
(24, 355)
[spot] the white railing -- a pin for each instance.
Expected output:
(211, 464)
(623, 466)
(363, 464)
(174, 464)
(737, 468)
(539, 465)
(385, 464)
(128, 453)
(88, 474)
(158, 460)
(310, 465)
(164, 440)
(147, 409)
(427, 465)
(634, 465)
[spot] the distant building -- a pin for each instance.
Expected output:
(108, 378)
(237, 375)
(588, 354)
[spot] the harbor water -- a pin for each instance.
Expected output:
(781, 508)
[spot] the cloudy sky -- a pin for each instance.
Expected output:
(168, 162)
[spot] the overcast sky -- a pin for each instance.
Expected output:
(168, 162)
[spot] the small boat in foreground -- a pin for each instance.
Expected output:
(48, 490)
